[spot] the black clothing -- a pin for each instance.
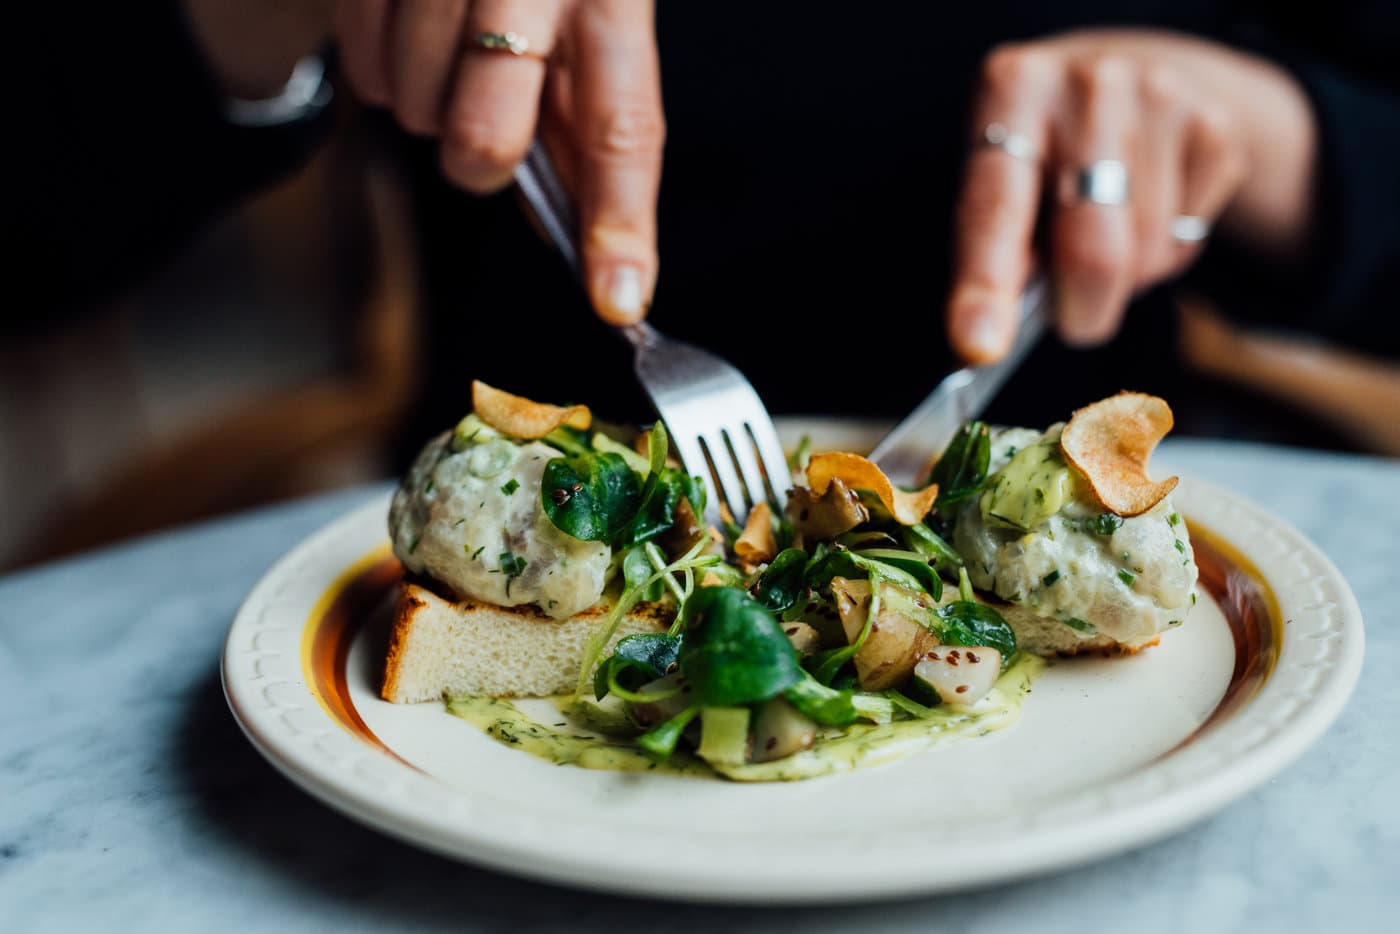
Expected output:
(812, 166)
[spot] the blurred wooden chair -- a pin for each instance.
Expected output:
(1358, 394)
(287, 442)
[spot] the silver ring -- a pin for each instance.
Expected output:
(1102, 182)
(511, 42)
(1188, 228)
(1016, 145)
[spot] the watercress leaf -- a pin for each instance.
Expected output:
(825, 705)
(657, 512)
(661, 741)
(733, 651)
(966, 622)
(827, 563)
(569, 440)
(962, 470)
(910, 706)
(782, 583)
(658, 446)
(590, 496)
(693, 488)
(919, 537)
(912, 563)
(602, 442)
(638, 658)
(636, 569)
(827, 664)
(839, 562)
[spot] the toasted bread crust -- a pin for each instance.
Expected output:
(461, 646)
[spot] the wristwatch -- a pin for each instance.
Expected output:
(306, 94)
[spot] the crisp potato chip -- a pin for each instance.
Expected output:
(1109, 444)
(523, 418)
(859, 473)
(756, 544)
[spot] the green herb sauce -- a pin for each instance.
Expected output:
(591, 735)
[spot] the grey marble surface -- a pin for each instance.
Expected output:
(129, 800)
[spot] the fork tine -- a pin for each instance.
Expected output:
(741, 443)
(729, 489)
(774, 460)
(693, 460)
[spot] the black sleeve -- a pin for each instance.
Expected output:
(123, 153)
(1345, 58)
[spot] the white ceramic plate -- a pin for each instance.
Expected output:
(1108, 754)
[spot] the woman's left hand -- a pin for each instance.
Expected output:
(1137, 144)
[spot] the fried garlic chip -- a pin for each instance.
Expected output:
(524, 418)
(859, 473)
(1109, 444)
(756, 545)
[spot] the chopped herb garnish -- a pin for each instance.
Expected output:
(1175, 622)
(1075, 622)
(477, 554)
(510, 486)
(413, 545)
(1174, 518)
(1193, 599)
(512, 566)
(1127, 577)
(1050, 578)
(428, 487)
(1105, 524)
(1180, 546)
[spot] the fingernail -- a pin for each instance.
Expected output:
(1076, 322)
(983, 336)
(623, 296)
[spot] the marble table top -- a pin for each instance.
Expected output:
(129, 800)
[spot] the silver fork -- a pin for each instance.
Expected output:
(716, 421)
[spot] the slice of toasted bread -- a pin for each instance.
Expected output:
(443, 647)
(1046, 636)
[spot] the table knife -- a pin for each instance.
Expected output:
(908, 451)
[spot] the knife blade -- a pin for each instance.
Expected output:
(908, 451)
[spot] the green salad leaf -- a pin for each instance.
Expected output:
(661, 741)
(827, 706)
(919, 537)
(783, 582)
(827, 563)
(965, 622)
(638, 571)
(600, 496)
(733, 651)
(911, 563)
(657, 512)
(638, 658)
(590, 496)
(962, 470)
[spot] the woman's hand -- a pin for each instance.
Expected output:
(589, 81)
(1204, 132)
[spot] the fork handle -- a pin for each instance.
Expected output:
(544, 191)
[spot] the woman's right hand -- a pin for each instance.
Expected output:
(589, 83)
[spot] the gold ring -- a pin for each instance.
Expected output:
(512, 43)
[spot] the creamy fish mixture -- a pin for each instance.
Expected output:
(1036, 537)
(468, 514)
